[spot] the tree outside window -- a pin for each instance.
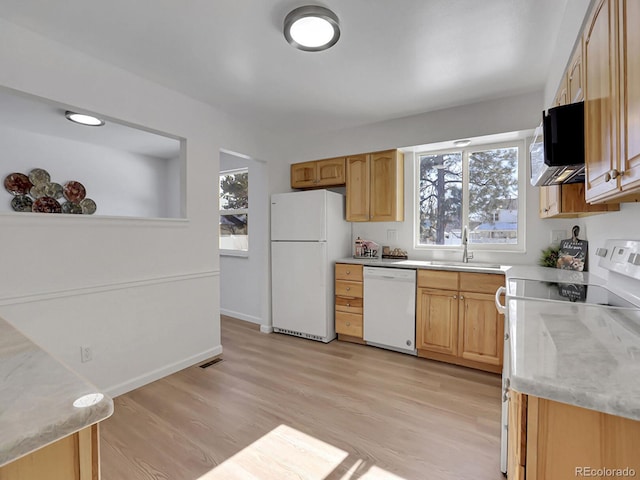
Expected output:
(234, 210)
(475, 187)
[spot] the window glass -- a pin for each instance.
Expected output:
(234, 210)
(493, 196)
(440, 198)
(477, 187)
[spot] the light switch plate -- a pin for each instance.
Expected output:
(392, 235)
(557, 236)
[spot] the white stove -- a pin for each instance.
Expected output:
(621, 259)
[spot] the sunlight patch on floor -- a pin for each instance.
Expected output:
(286, 453)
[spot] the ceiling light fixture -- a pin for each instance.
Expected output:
(462, 143)
(83, 119)
(311, 28)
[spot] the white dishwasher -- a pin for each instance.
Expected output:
(390, 308)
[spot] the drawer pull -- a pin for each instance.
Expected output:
(348, 304)
(348, 324)
(348, 288)
(455, 297)
(348, 272)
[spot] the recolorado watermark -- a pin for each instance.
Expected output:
(605, 472)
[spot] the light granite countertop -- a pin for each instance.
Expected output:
(583, 355)
(37, 395)
(475, 267)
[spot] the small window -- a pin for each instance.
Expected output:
(476, 187)
(234, 210)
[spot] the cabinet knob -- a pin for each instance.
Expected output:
(545, 210)
(348, 288)
(615, 173)
(348, 324)
(455, 297)
(348, 304)
(348, 272)
(461, 297)
(607, 177)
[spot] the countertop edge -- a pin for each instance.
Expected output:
(424, 265)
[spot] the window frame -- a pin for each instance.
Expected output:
(230, 252)
(520, 245)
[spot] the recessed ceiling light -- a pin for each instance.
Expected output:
(83, 119)
(311, 28)
(462, 143)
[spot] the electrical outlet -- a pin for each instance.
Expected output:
(392, 235)
(86, 354)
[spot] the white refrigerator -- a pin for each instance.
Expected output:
(308, 234)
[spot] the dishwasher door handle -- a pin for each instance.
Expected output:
(501, 308)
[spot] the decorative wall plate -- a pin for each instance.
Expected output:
(17, 184)
(21, 203)
(88, 206)
(38, 176)
(46, 205)
(70, 207)
(49, 189)
(74, 191)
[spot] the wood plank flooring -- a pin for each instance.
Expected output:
(279, 407)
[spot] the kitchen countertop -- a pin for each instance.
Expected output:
(583, 355)
(36, 397)
(574, 353)
(475, 267)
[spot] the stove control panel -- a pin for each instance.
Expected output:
(621, 256)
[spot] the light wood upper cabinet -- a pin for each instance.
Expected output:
(568, 201)
(375, 187)
(318, 174)
(550, 201)
(358, 188)
(562, 96)
(574, 77)
(612, 102)
(630, 88)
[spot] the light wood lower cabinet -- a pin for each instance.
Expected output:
(75, 457)
(553, 440)
(456, 319)
(349, 302)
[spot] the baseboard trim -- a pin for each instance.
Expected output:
(241, 316)
(159, 373)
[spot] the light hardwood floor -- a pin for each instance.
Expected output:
(279, 407)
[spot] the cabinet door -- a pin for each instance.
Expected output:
(601, 102)
(574, 76)
(481, 329)
(303, 175)
(358, 188)
(630, 58)
(550, 201)
(517, 438)
(387, 193)
(562, 96)
(437, 321)
(330, 172)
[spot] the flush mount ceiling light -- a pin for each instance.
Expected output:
(462, 143)
(311, 28)
(83, 119)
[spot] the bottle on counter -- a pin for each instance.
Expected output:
(358, 247)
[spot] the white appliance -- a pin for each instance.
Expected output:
(390, 308)
(308, 234)
(621, 258)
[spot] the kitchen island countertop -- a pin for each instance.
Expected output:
(37, 395)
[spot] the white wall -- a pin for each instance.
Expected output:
(244, 280)
(155, 282)
(121, 183)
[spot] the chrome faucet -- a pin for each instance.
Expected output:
(466, 255)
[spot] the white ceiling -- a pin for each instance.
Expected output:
(394, 58)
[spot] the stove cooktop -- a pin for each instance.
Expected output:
(568, 292)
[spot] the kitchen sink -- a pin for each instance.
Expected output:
(442, 263)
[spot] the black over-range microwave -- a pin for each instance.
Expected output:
(557, 152)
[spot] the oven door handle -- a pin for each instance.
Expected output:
(501, 308)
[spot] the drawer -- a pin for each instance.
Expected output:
(349, 305)
(348, 289)
(481, 282)
(346, 271)
(349, 324)
(439, 279)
